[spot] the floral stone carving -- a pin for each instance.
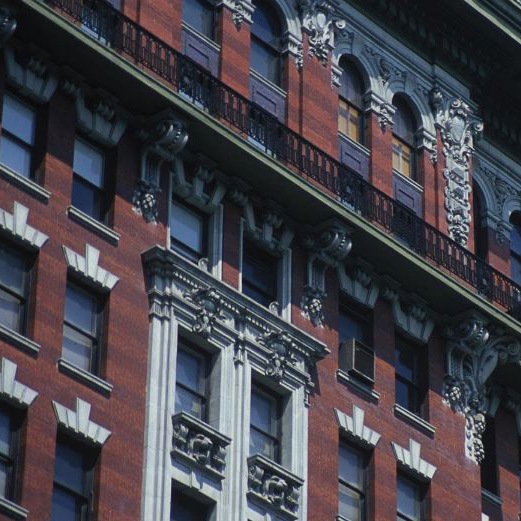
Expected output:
(282, 353)
(209, 303)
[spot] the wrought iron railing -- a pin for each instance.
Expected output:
(102, 21)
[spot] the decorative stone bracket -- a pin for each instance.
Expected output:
(198, 443)
(384, 111)
(283, 351)
(409, 311)
(273, 486)
(359, 282)
(242, 10)
(163, 137)
(458, 128)
(474, 351)
(328, 247)
(411, 461)
(321, 21)
(356, 429)
(16, 225)
(209, 305)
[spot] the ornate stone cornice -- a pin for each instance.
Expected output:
(458, 128)
(321, 21)
(474, 351)
(328, 246)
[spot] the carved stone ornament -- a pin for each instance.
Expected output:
(321, 21)
(167, 136)
(503, 231)
(474, 351)
(242, 10)
(282, 353)
(8, 24)
(312, 305)
(144, 200)
(210, 304)
(458, 128)
(273, 485)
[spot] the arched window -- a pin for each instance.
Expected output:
(266, 36)
(515, 247)
(350, 102)
(199, 14)
(480, 230)
(403, 139)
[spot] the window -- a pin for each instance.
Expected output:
(89, 180)
(264, 424)
(480, 228)
(352, 477)
(73, 481)
(354, 323)
(14, 286)
(199, 14)
(188, 231)
(266, 33)
(403, 139)
(10, 425)
(408, 393)
(515, 247)
(409, 500)
(191, 383)
(18, 136)
(489, 467)
(82, 328)
(350, 102)
(186, 508)
(259, 274)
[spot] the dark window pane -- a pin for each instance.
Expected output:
(66, 506)
(10, 311)
(405, 362)
(408, 500)
(352, 325)
(404, 124)
(262, 413)
(80, 309)
(15, 155)
(187, 228)
(350, 504)
(265, 61)
(351, 467)
(189, 370)
(199, 15)
(259, 275)
(70, 467)
(19, 119)
(5, 433)
(77, 348)
(12, 270)
(87, 198)
(261, 444)
(88, 163)
(351, 84)
(185, 508)
(186, 401)
(266, 25)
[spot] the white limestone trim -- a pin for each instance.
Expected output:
(13, 390)
(411, 460)
(16, 225)
(78, 422)
(88, 267)
(356, 428)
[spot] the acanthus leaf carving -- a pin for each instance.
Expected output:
(209, 304)
(282, 353)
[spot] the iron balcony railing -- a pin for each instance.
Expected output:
(105, 23)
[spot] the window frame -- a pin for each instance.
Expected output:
(14, 457)
(364, 459)
(98, 319)
(205, 374)
(27, 282)
(404, 122)
(276, 436)
(414, 385)
(30, 147)
(350, 76)
(90, 458)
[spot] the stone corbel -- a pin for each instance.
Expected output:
(209, 310)
(409, 311)
(328, 247)
(8, 23)
(458, 128)
(282, 353)
(384, 111)
(474, 350)
(357, 280)
(321, 22)
(293, 46)
(426, 141)
(163, 137)
(242, 11)
(30, 74)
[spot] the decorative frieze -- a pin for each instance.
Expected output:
(328, 246)
(321, 21)
(458, 128)
(196, 442)
(273, 486)
(474, 351)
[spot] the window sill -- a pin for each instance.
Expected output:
(362, 388)
(12, 509)
(20, 341)
(361, 148)
(341, 518)
(94, 226)
(208, 41)
(414, 184)
(412, 419)
(490, 497)
(93, 381)
(25, 184)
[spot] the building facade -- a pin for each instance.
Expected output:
(260, 260)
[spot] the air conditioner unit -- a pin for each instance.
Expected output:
(357, 359)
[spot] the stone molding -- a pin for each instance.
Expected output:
(30, 73)
(273, 486)
(276, 348)
(195, 442)
(358, 280)
(15, 224)
(474, 350)
(411, 461)
(77, 422)
(458, 129)
(356, 429)
(410, 312)
(328, 245)
(241, 10)
(321, 21)
(11, 389)
(87, 267)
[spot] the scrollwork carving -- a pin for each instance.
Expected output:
(209, 305)
(282, 353)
